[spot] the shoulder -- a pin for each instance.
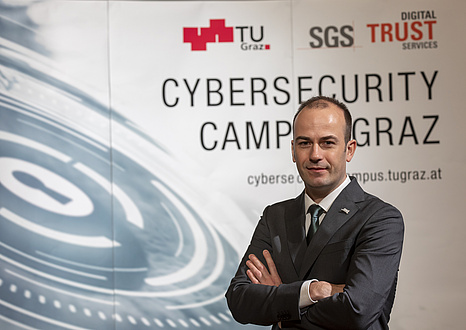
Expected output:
(369, 203)
(292, 203)
(377, 205)
(285, 209)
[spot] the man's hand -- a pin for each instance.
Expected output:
(259, 274)
(321, 289)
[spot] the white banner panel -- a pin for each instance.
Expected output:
(396, 65)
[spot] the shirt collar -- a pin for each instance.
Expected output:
(329, 199)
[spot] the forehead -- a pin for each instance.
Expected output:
(327, 121)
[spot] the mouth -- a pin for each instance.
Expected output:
(315, 169)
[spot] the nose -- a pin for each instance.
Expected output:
(315, 153)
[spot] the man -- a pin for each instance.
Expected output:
(343, 273)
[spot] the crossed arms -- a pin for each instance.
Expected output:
(367, 266)
(259, 274)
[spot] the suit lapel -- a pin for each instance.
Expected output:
(343, 208)
(295, 229)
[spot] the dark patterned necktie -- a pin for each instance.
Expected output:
(315, 211)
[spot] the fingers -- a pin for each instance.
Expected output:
(259, 274)
(252, 277)
(257, 269)
(270, 263)
(253, 273)
(276, 280)
(337, 288)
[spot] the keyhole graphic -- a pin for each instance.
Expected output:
(33, 182)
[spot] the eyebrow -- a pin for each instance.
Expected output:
(327, 137)
(302, 138)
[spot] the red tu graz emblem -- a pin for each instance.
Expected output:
(216, 32)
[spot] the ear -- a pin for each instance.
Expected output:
(292, 151)
(350, 150)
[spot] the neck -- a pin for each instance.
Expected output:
(317, 197)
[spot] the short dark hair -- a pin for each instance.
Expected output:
(320, 102)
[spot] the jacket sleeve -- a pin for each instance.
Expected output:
(261, 304)
(370, 281)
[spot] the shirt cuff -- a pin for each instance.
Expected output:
(305, 297)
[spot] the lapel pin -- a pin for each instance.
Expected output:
(345, 210)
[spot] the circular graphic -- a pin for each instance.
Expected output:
(96, 233)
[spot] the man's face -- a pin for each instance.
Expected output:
(319, 149)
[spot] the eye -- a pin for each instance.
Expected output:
(328, 143)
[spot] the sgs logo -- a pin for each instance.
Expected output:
(331, 36)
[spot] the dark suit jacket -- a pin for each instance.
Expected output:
(360, 248)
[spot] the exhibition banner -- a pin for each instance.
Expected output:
(141, 140)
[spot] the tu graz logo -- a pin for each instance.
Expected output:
(218, 32)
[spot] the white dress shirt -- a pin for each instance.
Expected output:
(305, 298)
